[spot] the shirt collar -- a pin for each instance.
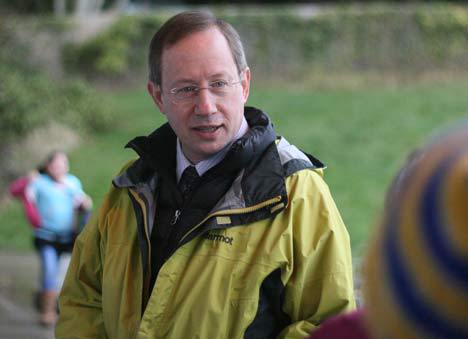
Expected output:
(205, 165)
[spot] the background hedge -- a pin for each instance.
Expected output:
(400, 39)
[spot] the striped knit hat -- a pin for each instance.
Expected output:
(416, 272)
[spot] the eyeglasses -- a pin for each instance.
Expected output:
(219, 88)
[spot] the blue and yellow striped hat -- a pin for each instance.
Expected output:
(416, 272)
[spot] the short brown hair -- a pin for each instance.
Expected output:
(181, 26)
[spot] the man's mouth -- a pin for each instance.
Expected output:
(207, 129)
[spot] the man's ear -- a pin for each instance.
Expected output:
(155, 92)
(246, 84)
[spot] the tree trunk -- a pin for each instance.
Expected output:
(85, 7)
(121, 3)
(59, 7)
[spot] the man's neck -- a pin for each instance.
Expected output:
(206, 164)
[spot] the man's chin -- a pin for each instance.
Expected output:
(209, 150)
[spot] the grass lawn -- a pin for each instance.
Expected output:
(363, 136)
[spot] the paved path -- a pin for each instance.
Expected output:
(18, 283)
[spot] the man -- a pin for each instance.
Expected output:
(220, 229)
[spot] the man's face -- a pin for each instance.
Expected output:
(208, 122)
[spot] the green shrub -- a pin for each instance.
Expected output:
(445, 34)
(30, 98)
(116, 52)
(24, 102)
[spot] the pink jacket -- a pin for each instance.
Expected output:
(344, 326)
(18, 190)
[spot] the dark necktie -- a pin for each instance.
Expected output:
(188, 181)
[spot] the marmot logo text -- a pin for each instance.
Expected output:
(219, 237)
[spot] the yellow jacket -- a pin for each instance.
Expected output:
(286, 254)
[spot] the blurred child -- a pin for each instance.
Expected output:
(52, 199)
(416, 271)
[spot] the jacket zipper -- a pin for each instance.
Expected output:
(234, 211)
(146, 282)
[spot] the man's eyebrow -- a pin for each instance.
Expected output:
(219, 75)
(183, 80)
(178, 82)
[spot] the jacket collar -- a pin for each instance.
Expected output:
(260, 162)
(157, 151)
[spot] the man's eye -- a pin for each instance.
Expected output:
(187, 90)
(220, 84)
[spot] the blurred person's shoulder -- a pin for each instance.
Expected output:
(40, 180)
(344, 326)
(72, 180)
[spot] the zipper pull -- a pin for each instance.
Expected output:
(176, 217)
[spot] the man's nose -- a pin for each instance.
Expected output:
(205, 102)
